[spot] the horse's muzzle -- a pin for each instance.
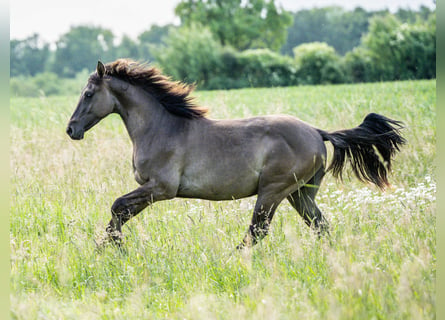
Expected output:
(74, 133)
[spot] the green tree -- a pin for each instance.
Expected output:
(401, 51)
(127, 48)
(28, 56)
(412, 17)
(318, 63)
(190, 53)
(242, 24)
(150, 38)
(358, 65)
(339, 28)
(155, 34)
(265, 68)
(80, 48)
(381, 46)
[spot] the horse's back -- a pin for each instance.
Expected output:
(290, 135)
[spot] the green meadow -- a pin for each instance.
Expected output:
(179, 259)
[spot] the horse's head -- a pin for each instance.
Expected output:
(95, 103)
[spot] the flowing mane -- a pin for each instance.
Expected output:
(173, 95)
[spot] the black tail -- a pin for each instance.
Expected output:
(368, 147)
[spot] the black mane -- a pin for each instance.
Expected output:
(173, 95)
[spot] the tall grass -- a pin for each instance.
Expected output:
(179, 260)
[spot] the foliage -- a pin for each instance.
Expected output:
(197, 57)
(340, 28)
(253, 68)
(152, 37)
(401, 51)
(229, 71)
(337, 27)
(190, 54)
(28, 56)
(358, 66)
(179, 260)
(127, 48)
(81, 47)
(47, 84)
(253, 23)
(318, 63)
(265, 68)
(23, 87)
(410, 16)
(376, 46)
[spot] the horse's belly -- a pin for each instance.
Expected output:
(224, 187)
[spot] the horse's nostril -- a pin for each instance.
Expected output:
(69, 131)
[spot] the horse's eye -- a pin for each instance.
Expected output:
(88, 94)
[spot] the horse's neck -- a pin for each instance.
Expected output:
(144, 117)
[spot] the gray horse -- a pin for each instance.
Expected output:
(179, 152)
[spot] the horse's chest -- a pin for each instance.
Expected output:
(138, 177)
(146, 167)
(139, 170)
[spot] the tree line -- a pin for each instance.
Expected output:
(249, 43)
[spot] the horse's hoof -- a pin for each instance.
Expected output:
(245, 245)
(241, 246)
(115, 238)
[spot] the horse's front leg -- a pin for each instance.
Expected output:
(129, 205)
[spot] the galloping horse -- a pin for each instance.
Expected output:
(179, 152)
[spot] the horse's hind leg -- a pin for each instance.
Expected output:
(262, 216)
(270, 196)
(303, 200)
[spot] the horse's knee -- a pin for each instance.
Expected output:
(118, 206)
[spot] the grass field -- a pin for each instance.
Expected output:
(179, 260)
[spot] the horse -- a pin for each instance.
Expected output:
(178, 151)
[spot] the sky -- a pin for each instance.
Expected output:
(52, 18)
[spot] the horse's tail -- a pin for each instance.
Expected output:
(368, 147)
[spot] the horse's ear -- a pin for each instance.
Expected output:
(100, 69)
